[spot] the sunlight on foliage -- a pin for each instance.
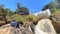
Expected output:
(24, 18)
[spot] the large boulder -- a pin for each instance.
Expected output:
(7, 29)
(45, 26)
(10, 30)
(56, 22)
(44, 14)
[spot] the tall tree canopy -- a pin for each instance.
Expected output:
(22, 10)
(53, 6)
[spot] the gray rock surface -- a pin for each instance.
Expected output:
(45, 25)
(7, 29)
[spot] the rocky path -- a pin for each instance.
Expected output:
(7, 29)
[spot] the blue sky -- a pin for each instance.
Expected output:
(32, 5)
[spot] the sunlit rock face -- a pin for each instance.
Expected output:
(44, 26)
(45, 13)
(56, 22)
(10, 31)
(7, 29)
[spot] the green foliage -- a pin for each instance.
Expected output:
(53, 10)
(5, 11)
(49, 6)
(23, 18)
(8, 12)
(53, 6)
(41, 17)
(2, 12)
(24, 9)
(32, 17)
(18, 5)
(57, 12)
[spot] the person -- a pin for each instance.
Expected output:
(13, 23)
(17, 26)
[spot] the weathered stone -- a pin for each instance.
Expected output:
(56, 23)
(45, 26)
(7, 29)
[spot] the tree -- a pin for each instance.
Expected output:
(8, 12)
(24, 18)
(22, 10)
(18, 5)
(2, 10)
(3, 13)
(53, 10)
(49, 6)
(53, 6)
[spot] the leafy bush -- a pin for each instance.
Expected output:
(57, 12)
(24, 18)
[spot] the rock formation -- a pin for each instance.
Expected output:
(7, 29)
(45, 26)
(56, 22)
